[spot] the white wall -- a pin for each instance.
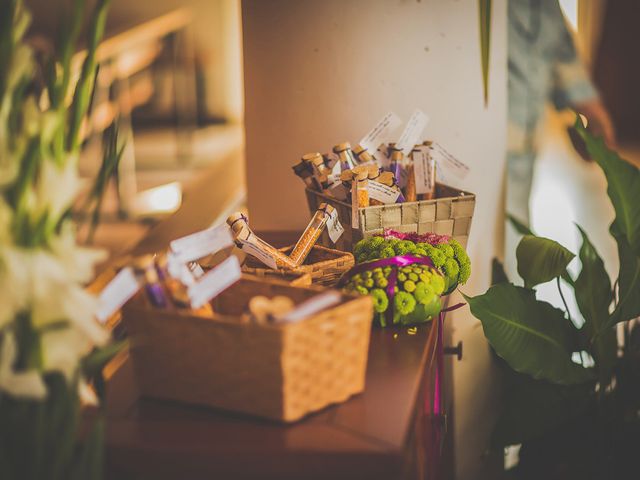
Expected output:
(321, 72)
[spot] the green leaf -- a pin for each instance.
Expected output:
(532, 408)
(532, 336)
(520, 227)
(593, 295)
(98, 358)
(541, 259)
(628, 284)
(498, 275)
(623, 187)
(484, 10)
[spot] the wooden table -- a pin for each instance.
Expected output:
(387, 432)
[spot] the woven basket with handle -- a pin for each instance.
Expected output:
(325, 265)
(448, 214)
(277, 371)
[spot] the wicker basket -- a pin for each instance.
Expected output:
(280, 372)
(448, 214)
(296, 279)
(325, 265)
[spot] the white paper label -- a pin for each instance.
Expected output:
(265, 258)
(449, 167)
(333, 179)
(215, 282)
(412, 131)
(423, 167)
(117, 292)
(312, 306)
(201, 244)
(334, 163)
(334, 227)
(381, 156)
(382, 193)
(381, 132)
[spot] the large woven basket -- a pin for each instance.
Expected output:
(325, 265)
(281, 372)
(448, 214)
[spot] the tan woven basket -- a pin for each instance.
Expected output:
(280, 372)
(296, 279)
(448, 214)
(325, 265)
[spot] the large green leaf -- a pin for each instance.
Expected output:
(623, 187)
(593, 295)
(541, 259)
(532, 336)
(532, 408)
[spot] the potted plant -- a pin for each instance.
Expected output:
(572, 393)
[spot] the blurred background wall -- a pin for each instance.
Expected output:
(319, 73)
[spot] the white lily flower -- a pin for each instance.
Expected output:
(19, 384)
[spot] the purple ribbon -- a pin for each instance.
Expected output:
(397, 261)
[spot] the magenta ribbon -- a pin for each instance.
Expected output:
(397, 261)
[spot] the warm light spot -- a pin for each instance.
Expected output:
(158, 200)
(412, 331)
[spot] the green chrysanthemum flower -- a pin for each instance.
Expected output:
(402, 276)
(387, 252)
(446, 249)
(438, 284)
(369, 283)
(380, 300)
(382, 282)
(409, 286)
(413, 277)
(404, 303)
(361, 290)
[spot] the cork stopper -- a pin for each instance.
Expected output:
(346, 175)
(328, 208)
(237, 222)
(427, 143)
(312, 158)
(361, 175)
(341, 147)
(161, 260)
(362, 154)
(373, 171)
(386, 178)
(396, 156)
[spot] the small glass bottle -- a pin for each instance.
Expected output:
(311, 234)
(320, 170)
(362, 155)
(347, 160)
(410, 194)
(243, 234)
(145, 269)
(359, 186)
(389, 179)
(396, 162)
(430, 170)
(178, 288)
(305, 172)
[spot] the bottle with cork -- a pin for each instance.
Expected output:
(311, 234)
(178, 285)
(242, 234)
(345, 155)
(145, 270)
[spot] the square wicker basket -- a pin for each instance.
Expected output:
(281, 372)
(325, 265)
(448, 214)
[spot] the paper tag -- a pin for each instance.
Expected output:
(448, 166)
(252, 250)
(412, 131)
(381, 156)
(382, 193)
(201, 244)
(381, 132)
(423, 167)
(312, 306)
(117, 292)
(215, 282)
(334, 227)
(333, 180)
(334, 163)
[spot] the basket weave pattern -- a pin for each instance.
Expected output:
(325, 265)
(449, 214)
(280, 372)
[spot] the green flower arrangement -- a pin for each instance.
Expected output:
(416, 297)
(447, 255)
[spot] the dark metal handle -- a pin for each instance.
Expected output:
(457, 350)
